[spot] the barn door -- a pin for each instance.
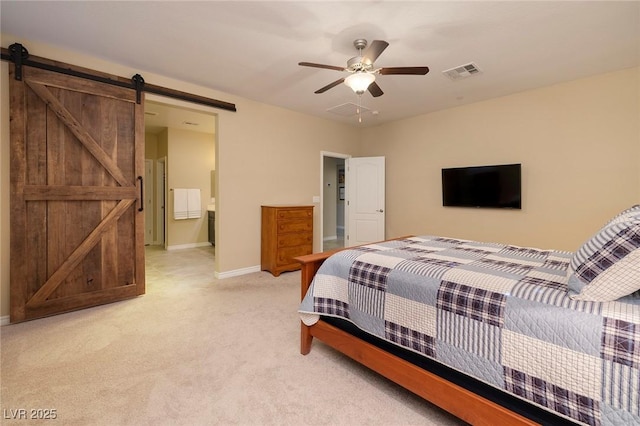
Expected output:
(77, 229)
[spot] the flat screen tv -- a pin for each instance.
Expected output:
(482, 186)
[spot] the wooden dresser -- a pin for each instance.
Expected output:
(287, 232)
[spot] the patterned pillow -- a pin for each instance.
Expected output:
(607, 266)
(625, 214)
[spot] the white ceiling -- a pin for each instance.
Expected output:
(159, 115)
(252, 49)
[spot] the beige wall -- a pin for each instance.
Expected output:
(264, 154)
(151, 153)
(578, 142)
(151, 146)
(163, 144)
(190, 161)
(268, 155)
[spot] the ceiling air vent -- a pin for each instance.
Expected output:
(348, 109)
(462, 71)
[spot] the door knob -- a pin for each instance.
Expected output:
(380, 210)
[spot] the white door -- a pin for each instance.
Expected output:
(148, 202)
(161, 191)
(365, 200)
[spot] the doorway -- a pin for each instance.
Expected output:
(180, 139)
(352, 200)
(332, 202)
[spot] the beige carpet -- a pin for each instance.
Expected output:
(195, 350)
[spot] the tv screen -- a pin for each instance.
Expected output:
(482, 186)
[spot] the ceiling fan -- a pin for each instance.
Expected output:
(363, 73)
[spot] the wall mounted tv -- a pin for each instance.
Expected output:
(482, 186)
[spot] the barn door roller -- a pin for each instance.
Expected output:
(18, 54)
(138, 84)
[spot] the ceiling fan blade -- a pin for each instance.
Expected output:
(374, 50)
(375, 90)
(330, 86)
(329, 67)
(404, 70)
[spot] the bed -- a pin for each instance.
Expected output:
(493, 333)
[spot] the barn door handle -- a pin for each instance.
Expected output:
(141, 194)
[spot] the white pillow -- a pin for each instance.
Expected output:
(607, 266)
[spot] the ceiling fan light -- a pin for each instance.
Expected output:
(359, 81)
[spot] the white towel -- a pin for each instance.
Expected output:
(180, 204)
(194, 205)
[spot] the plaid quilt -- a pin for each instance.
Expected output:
(499, 313)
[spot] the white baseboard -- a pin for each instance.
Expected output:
(186, 246)
(237, 272)
(4, 320)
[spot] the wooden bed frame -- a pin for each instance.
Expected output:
(458, 401)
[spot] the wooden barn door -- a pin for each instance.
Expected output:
(77, 229)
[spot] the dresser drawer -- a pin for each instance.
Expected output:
(295, 239)
(287, 232)
(295, 225)
(285, 255)
(294, 214)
